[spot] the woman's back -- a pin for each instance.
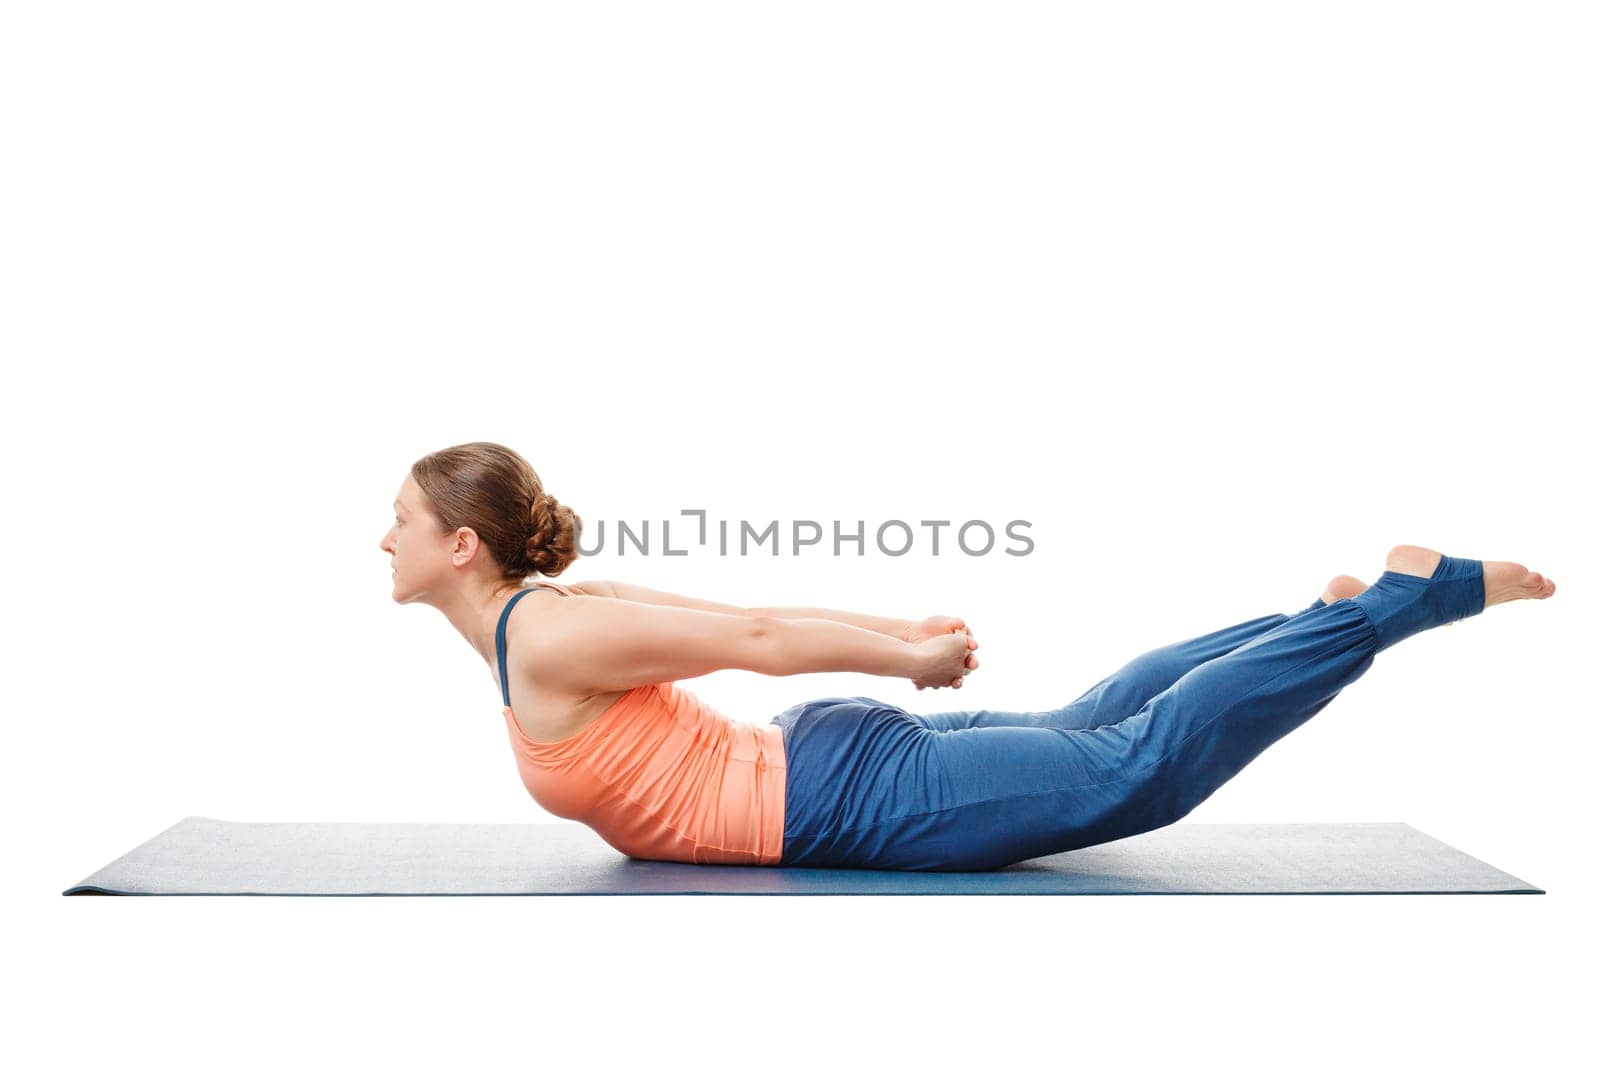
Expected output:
(660, 775)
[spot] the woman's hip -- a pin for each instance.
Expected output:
(853, 763)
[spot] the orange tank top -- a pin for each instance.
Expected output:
(659, 775)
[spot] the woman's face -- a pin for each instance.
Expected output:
(414, 542)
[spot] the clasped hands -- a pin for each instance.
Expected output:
(945, 650)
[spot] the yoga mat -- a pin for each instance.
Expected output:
(201, 856)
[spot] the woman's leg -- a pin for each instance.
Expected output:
(1128, 689)
(984, 798)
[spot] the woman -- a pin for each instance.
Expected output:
(601, 733)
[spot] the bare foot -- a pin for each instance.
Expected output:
(1501, 581)
(1342, 586)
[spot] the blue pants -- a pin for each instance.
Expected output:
(873, 785)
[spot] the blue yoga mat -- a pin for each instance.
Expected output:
(201, 856)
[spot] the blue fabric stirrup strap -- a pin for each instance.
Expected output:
(500, 641)
(1404, 604)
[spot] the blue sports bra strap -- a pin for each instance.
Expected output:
(500, 641)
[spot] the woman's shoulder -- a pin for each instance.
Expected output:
(531, 619)
(590, 587)
(537, 642)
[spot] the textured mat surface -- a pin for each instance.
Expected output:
(216, 857)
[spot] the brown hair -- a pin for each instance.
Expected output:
(496, 492)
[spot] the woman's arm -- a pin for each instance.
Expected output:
(603, 643)
(880, 624)
(890, 627)
(641, 594)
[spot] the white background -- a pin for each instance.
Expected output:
(1224, 299)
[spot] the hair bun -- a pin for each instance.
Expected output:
(553, 537)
